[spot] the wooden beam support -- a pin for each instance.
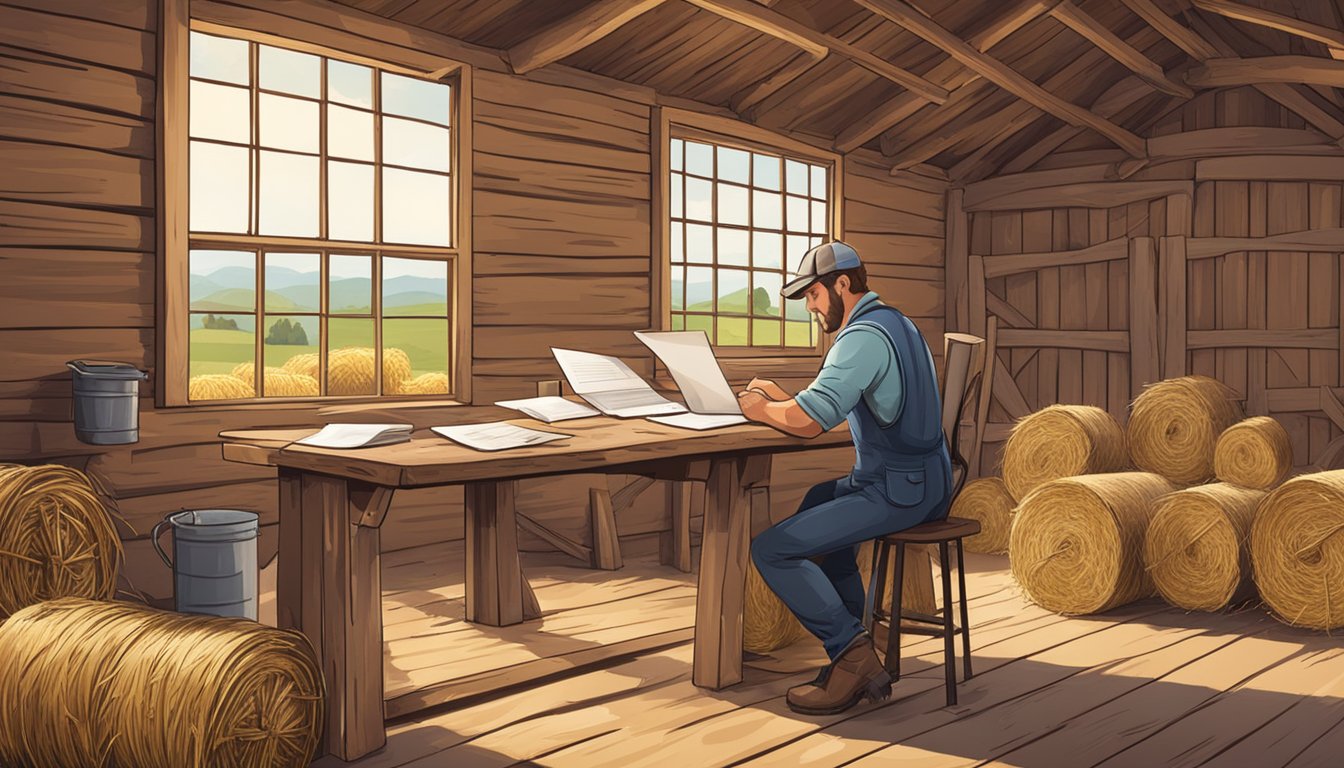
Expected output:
(675, 544)
(956, 241)
(1270, 168)
(1091, 194)
(1002, 75)
(745, 101)
(499, 594)
(1006, 312)
(1095, 341)
(982, 429)
(721, 590)
(1308, 241)
(1145, 357)
(1331, 38)
(1017, 263)
(626, 496)
(1103, 38)
(1182, 36)
(1238, 338)
(1010, 397)
(576, 32)
(556, 539)
(818, 44)
(606, 554)
(1232, 72)
(1171, 300)
(1112, 102)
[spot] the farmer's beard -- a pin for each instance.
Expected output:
(835, 313)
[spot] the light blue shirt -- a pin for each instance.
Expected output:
(861, 363)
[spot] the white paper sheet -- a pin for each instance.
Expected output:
(698, 421)
(549, 409)
(357, 435)
(610, 386)
(692, 364)
(496, 435)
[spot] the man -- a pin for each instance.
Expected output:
(880, 376)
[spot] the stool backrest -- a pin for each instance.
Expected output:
(963, 368)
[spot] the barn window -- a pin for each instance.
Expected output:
(322, 256)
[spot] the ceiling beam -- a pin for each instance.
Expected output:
(1331, 38)
(576, 32)
(1112, 102)
(1180, 35)
(1096, 33)
(1002, 75)
(776, 24)
(949, 73)
(1221, 73)
(748, 102)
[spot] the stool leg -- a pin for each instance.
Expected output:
(877, 580)
(892, 661)
(949, 654)
(965, 621)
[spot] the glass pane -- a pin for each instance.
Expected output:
(417, 208)
(678, 288)
(674, 155)
(795, 177)
(766, 248)
(415, 287)
(819, 190)
(798, 334)
(293, 282)
(218, 346)
(798, 214)
(732, 204)
(699, 159)
(350, 285)
(219, 58)
(222, 281)
(734, 165)
(412, 97)
(677, 209)
(699, 196)
(733, 245)
(349, 83)
(733, 291)
(349, 201)
(220, 112)
(290, 349)
(288, 71)
(288, 123)
(796, 309)
(701, 323)
(813, 242)
(678, 246)
(818, 217)
(732, 331)
(767, 210)
(699, 243)
(765, 296)
(415, 356)
(288, 195)
(765, 171)
(415, 144)
(765, 333)
(678, 322)
(350, 356)
(218, 194)
(699, 289)
(349, 133)
(795, 248)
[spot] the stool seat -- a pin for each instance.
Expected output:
(935, 532)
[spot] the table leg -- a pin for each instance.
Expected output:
(674, 546)
(497, 592)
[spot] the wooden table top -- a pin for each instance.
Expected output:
(599, 444)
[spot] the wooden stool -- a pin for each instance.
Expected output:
(940, 533)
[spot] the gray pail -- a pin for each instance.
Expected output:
(214, 561)
(107, 402)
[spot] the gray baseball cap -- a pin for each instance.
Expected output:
(820, 261)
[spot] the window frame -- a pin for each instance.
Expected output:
(675, 123)
(175, 241)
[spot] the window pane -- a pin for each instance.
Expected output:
(765, 333)
(350, 356)
(292, 282)
(220, 112)
(288, 195)
(699, 243)
(349, 83)
(218, 194)
(699, 195)
(732, 291)
(699, 289)
(699, 159)
(795, 248)
(290, 349)
(676, 208)
(415, 144)
(412, 97)
(350, 285)
(222, 281)
(678, 322)
(678, 288)
(701, 323)
(767, 210)
(349, 201)
(819, 190)
(766, 248)
(765, 297)
(349, 133)
(797, 214)
(798, 334)
(415, 287)
(415, 356)
(219, 58)
(818, 217)
(675, 154)
(734, 165)
(289, 71)
(732, 331)
(288, 123)
(678, 247)
(733, 245)
(765, 171)
(732, 204)
(795, 177)
(417, 208)
(218, 344)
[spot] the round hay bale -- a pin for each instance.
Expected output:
(281, 384)
(305, 364)
(124, 685)
(1061, 441)
(350, 371)
(1077, 543)
(396, 370)
(1197, 549)
(56, 537)
(1254, 453)
(1297, 550)
(767, 623)
(218, 386)
(433, 383)
(1174, 427)
(986, 500)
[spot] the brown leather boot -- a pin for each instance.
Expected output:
(854, 675)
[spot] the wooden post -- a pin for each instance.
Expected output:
(675, 545)
(1171, 299)
(986, 393)
(957, 248)
(497, 593)
(975, 297)
(602, 519)
(1145, 360)
(722, 580)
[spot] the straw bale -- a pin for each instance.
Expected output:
(218, 386)
(987, 501)
(1297, 550)
(1061, 441)
(1197, 549)
(1254, 453)
(1174, 427)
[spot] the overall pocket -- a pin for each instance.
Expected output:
(905, 487)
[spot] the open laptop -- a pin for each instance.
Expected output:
(691, 362)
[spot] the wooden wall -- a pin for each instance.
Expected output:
(561, 217)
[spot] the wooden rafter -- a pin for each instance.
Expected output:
(1331, 38)
(817, 43)
(576, 32)
(748, 102)
(1096, 33)
(1224, 72)
(1002, 75)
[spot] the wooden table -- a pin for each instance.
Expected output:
(333, 502)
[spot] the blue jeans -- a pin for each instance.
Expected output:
(833, 520)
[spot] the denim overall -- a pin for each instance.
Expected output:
(902, 477)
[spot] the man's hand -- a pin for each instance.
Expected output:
(752, 403)
(769, 388)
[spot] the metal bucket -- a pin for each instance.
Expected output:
(214, 561)
(107, 402)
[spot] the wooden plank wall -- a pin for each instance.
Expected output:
(563, 257)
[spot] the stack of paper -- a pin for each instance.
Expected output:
(691, 362)
(358, 435)
(549, 409)
(610, 386)
(497, 436)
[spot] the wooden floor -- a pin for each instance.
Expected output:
(1145, 685)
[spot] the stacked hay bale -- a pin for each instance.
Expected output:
(350, 371)
(1174, 426)
(1297, 550)
(987, 501)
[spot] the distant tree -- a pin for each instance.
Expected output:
(219, 323)
(286, 332)
(760, 301)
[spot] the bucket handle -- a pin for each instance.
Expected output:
(156, 532)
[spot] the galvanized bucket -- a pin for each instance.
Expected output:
(107, 401)
(214, 561)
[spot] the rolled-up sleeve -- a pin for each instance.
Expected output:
(852, 365)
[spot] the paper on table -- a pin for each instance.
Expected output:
(699, 421)
(692, 364)
(496, 435)
(357, 435)
(549, 409)
(610, 386)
